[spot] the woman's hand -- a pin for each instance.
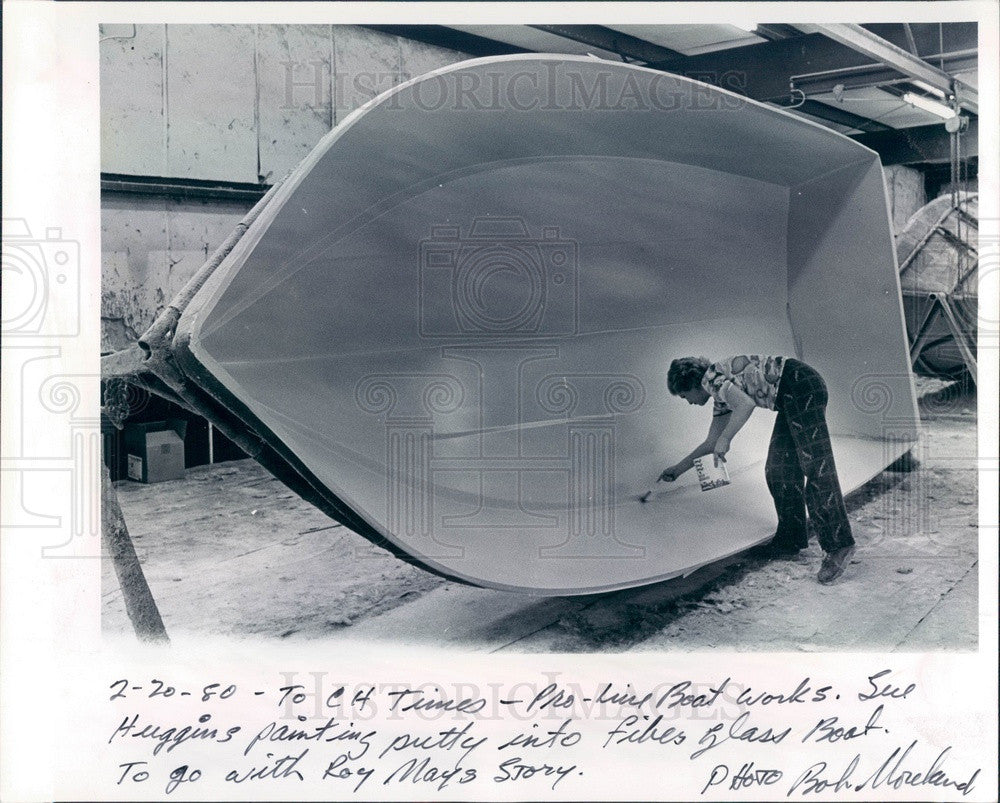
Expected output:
(669, 474)
(719, 452)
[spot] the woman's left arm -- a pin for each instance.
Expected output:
(742, 407)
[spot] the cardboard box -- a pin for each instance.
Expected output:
(155, 450)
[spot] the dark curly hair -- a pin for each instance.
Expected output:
(686, 373)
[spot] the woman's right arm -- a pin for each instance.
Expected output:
(707, 446)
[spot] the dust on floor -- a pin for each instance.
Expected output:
(230, 550)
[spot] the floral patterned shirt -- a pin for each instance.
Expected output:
(756, 376)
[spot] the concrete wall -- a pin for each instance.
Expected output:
(239, 102)
(906, 193)
(149, 248)
(234, 103)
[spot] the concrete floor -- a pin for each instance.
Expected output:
(230, 550)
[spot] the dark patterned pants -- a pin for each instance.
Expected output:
(800, 470)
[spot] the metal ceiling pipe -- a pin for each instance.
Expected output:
(864, 41)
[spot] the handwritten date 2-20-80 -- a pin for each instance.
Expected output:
(158, 688)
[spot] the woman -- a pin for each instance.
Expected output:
(800, 470)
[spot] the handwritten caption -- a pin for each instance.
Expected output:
(721, 737)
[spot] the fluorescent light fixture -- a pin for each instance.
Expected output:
(928, 105)
(928, 88)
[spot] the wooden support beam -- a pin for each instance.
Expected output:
(139, 602)
(763, 71)
(443, 36)
(613, 41)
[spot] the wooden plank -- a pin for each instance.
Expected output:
(132, 99)
(294, 84)
(139, 602)
(211, 99)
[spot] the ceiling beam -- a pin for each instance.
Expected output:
(926, 143)
(442, 36)
(185, 189)
(773, 31)
(928, 37)
(762, 71)
(875, 47)
(615, 41)
(877, 75)
(833, 114)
